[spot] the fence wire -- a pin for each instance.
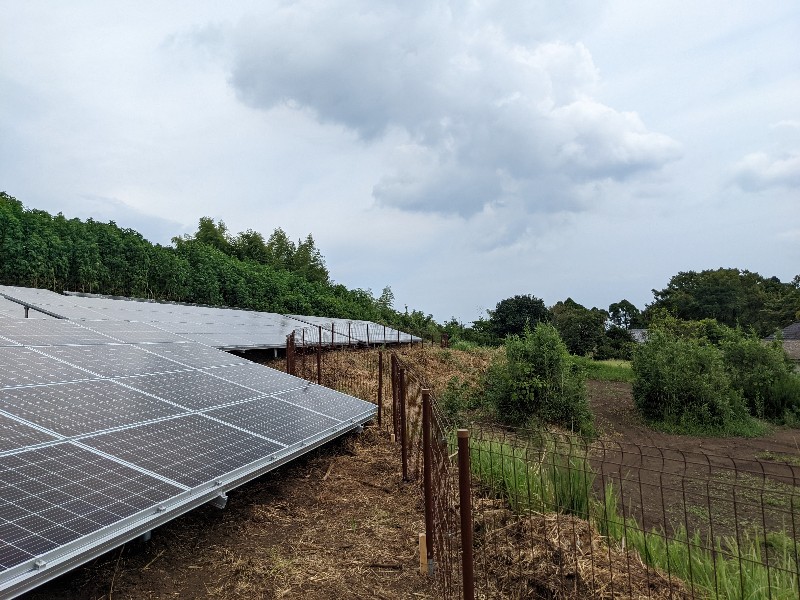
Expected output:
(558, 516)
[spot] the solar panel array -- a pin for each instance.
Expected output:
(223, 328)
(111, 428)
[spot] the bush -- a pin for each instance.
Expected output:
(538, 381)
(761, 372)
(683, 384)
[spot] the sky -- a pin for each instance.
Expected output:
(459, 152)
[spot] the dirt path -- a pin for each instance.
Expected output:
(337, 523)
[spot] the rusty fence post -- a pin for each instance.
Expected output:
(395, 394)
(319, 356)
(427, 475)
(465, 508)
(289, 354)
(403, 441)
(380, 387)
(333, 333)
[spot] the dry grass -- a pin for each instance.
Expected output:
(559, 556)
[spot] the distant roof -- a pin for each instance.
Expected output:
(638, 335)
(792, 332)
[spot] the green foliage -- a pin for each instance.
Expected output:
(512, 315)
(731, 296)
(209, 267)
(616, 343)
(760, 372)
(537, 380)
(582, 329)
(682, 384)
(624, 314)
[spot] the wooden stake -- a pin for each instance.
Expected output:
(423, 555)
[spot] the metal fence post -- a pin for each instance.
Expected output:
(427, 479)
(380, 387)
(465, 508)
(319, 357)
(403, 453)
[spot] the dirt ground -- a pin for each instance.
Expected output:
(718, 486)
(337, 523)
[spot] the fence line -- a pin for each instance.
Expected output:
(557, 516)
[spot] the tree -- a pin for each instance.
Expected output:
(624, 314)
(581, 328)
(214, 235)
(280, 250)
(732, 297)
(250, 245)
(511, 315)
(308, 261)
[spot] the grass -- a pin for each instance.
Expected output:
(554, 475)
(777, 457)
(605, 370)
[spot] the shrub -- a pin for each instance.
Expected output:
(683, 384)
(538, 381)
(761, 372)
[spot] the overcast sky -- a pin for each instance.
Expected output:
(459, 152)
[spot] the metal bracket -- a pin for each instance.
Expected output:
(220, 501)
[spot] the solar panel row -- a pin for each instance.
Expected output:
(224, 328)
(101, 440)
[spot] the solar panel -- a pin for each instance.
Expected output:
(191, 449)
(326, 401)
(15, 435)
(113, 360)
(53, 332)
(131, 332)
(59, 494)
(72, 409)
(280, 421)
(192, 389)
(256, 377)
(196, 355)
(26, 366)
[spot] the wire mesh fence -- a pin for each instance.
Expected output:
(554, 515)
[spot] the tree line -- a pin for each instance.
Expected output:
(732, 297)
(211, 267)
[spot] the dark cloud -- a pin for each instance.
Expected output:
(487, 112)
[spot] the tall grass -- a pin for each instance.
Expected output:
(605, 370)
(552, 475)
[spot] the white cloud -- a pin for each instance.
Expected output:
(759, 171)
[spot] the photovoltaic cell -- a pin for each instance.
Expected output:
(326, 401)
(254, 376)
(190, 450)
(14, 435)
(24, 366)
(131, 333)
(193, 389)
(57, 494)
(196, 355)
(72, 409)
(285, 423)
(55, 332)
(116, 360)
